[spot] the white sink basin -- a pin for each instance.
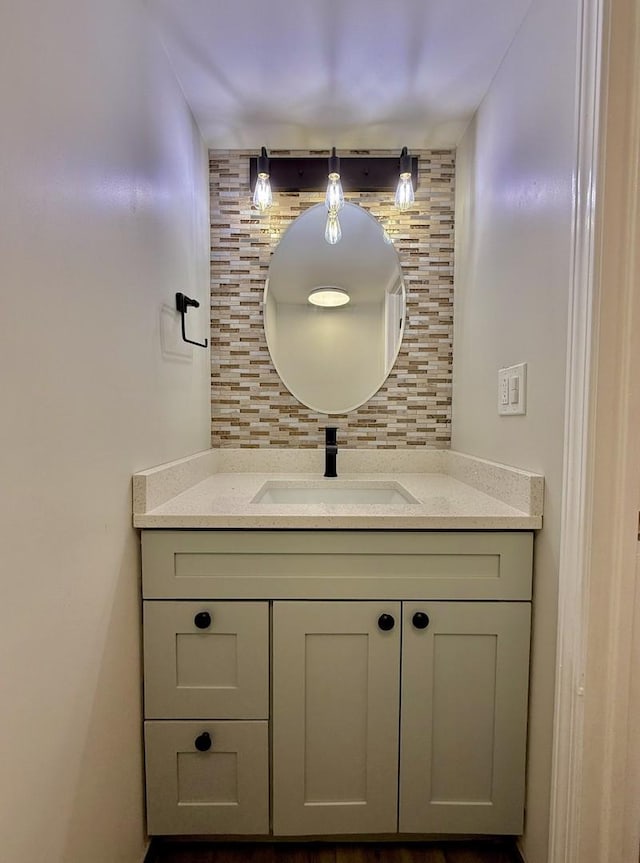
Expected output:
(331, 491)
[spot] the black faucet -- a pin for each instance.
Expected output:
(330, 452)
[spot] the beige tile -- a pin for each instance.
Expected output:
(413, 408)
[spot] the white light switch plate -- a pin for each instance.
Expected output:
(512, 390)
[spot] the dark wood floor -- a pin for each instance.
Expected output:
(489, 851)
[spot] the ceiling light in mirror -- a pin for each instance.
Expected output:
(329, 297)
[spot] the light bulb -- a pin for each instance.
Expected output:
(404, 193)
(334, 199)
(333, 231)
(262, 197)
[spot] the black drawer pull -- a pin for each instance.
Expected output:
(202, 620)
(386, 622)
(203, 742)
(420, 620)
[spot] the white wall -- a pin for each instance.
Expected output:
(103, 216)
(513, 241)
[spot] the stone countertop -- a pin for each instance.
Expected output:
(214, 489)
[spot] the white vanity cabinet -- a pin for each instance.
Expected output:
(206, 661)
(389, 669)
(344, 672)
(336, 688)
(463, 717)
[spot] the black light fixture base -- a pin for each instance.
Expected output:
(357, 173)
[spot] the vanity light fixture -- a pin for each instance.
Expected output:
(262, 196)
(329, 297)
(404, 192)
(334, 198)
(359, 172)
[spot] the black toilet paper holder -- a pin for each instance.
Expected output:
(183, 303)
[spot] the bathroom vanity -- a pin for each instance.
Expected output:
(335, 669)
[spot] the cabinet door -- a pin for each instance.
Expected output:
(464, 708)
(206, 660)
(207, 777)
(335, 717)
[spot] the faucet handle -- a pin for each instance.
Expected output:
(330, 438)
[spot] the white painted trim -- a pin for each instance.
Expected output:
(611, 826)
(595, 814)
(575, 539)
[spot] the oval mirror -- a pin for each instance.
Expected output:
(334, 314)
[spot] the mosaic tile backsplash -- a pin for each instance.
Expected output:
(250, 406)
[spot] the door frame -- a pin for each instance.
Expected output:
(595, 803)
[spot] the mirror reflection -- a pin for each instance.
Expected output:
(334, 314)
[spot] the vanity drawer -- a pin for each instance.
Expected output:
(342, 564)
(207, 777)
(206, 659)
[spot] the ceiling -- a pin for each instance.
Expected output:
(355, 74)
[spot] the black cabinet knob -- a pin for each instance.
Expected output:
(420, 620)
(202, 620)
(203, 742)
(386, 622)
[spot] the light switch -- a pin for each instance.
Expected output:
(512, 388)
